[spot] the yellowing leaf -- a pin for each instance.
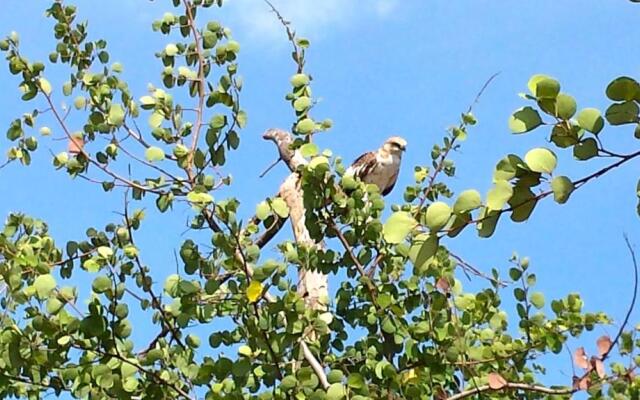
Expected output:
(254, 291)
(116, 115)
(154, 154)
(45, 86)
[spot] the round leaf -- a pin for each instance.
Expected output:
(565, 106)
(437, 215)
(537, 299)
(101, 284)
(467, 201)
(586, 149)
(524, 119)
(623, 89)
(562, 188)
(542, 86)
(423, 248)
(541, 160)
(280, 207)
(305, 126)
(622, 113)
(154, 154)
(336, 392)
(398, 226)
(171, 49)
(44, 284)
(591, 120)
(262, 210)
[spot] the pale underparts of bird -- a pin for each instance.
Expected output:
(380, 167)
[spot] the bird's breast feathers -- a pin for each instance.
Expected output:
(378, 169)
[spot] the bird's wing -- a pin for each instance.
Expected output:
(392, 183)
(363, 166)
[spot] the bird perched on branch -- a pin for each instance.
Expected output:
(380, 167)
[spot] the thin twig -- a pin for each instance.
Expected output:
(511, 385)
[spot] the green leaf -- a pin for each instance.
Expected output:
(355, 381)
(488, 222)
(591, 120)
(623, 89)
(309, 150)
(586, 149)
(424, 247)
(263, 210)
(467, 201)
(566, 136)
(67, 88)
(398, 226)
(437, 215)
(298, 80)
(44, 285)
(541, 160)
(280, 207)
(336, 392)
(388, 326)
(288, 383)
(524, 120)
(116, 115)
(154, 154)
(562, 188)
(542, 86)
(622, 113)
(335, 376)
(537, 299)
(523, 202)
(499, 195)
(302, 103)
(305, 126)
(565, 106)
(101, 284)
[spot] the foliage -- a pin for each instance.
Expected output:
(400, 326)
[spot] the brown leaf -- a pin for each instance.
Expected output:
(581, 383)
(630, 375)
(76, 143)
(580, 358)
(443, 284)
(599, 367)
(604, 345)
(496, 381)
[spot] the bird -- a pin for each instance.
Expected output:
(380, 167)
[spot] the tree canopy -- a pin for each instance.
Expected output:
(241, 321)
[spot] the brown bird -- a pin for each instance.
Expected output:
(380, 167)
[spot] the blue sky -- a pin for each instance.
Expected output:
(380, 68)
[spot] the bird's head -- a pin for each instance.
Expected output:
(395, 145)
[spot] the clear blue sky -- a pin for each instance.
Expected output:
(387, 67)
